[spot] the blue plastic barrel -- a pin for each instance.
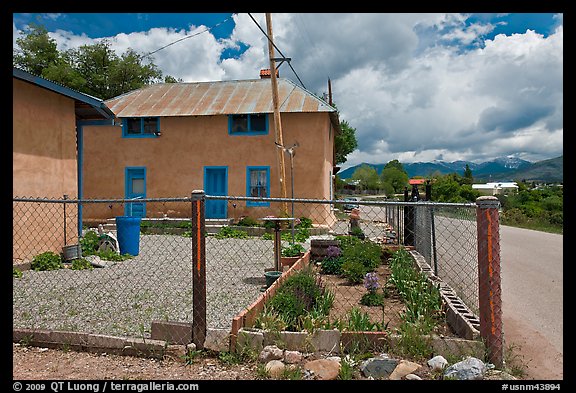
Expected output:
(128, 234)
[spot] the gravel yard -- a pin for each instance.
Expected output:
(124, 297)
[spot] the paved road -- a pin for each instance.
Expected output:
(532, 297)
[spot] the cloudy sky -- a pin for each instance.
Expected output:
(417, 87)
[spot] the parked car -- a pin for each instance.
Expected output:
(351, 203)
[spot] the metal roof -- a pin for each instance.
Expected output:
(86, 106)
(216, 98)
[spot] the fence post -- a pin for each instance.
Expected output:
(489, 290)
(199, 268)
(65, 197)
(408, 221)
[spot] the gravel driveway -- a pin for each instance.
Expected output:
(125, 297)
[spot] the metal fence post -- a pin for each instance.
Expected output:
(489, 290)
(199, 268)
(408, 221)
(65, 197)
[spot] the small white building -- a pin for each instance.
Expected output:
(496, 188)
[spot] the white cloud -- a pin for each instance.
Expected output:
(402, 80)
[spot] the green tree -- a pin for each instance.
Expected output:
(345, 142)
(36, 51)
(396, 164)
(92, 69)
(468, 179)
(368, 177)
(396, 177)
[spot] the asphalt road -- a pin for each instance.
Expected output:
(532, 297)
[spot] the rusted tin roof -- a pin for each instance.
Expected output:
(216, 98)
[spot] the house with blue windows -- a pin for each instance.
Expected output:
(169, 139)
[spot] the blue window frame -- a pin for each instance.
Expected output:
(258, 184)
(253, 124)
(141, 127)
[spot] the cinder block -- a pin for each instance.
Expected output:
(105, 342)
(172, 332)
(249, 339)
(326, 340)
(217, 340)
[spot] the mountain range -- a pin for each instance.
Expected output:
(499, 169)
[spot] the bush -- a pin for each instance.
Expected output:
(366, 252)
(354, 271)
(16, 273)
(331, 265)
(293, 250)
(248, 222)
(303, 223)
(47, 261)
(227, 232)
(81, 264)
(298, 296)
(89, 243)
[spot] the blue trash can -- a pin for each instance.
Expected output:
(128, 234)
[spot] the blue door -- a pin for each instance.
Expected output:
(216, 183)
(135, 187)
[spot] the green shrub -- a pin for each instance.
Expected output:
(110, 255)
(81, 264)
(47, 261)
(366, 252)
(248, 222)
(16, 272)
(227, 232)
(293, 250)
(304, 223)
(331, 265)
(354, 271)
(299, 295)
(89, 243)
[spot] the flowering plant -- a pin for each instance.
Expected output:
(372, 297)
(371, 281)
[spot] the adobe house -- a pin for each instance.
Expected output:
(47, 119)
(169, 139)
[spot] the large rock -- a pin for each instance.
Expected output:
(379, 367)
(323, 369)
(404, 368)
(468, 369)
(270, 352)
(275, 368)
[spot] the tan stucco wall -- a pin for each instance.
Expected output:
(43, 166)
(175, 161)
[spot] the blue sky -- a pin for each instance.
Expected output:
(417, 87)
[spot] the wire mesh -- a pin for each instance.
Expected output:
(124, 297)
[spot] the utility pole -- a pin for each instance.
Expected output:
(277, 122)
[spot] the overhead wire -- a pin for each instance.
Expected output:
(279, 51)
(190, 36)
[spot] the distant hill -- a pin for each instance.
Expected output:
(504, 168)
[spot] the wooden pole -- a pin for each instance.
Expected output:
(277, 120)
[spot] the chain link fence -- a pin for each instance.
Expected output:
(124, 295)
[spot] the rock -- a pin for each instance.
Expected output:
(468, 369)
(404, 368)
(292, 357)
(378, 367)
(270, 352)
(413, 377)
(437, 363)
(275, 368)
(323, 369)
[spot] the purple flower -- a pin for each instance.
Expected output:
(333, 251)
(371, 281)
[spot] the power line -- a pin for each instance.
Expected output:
(190, 36)
(281, 54)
